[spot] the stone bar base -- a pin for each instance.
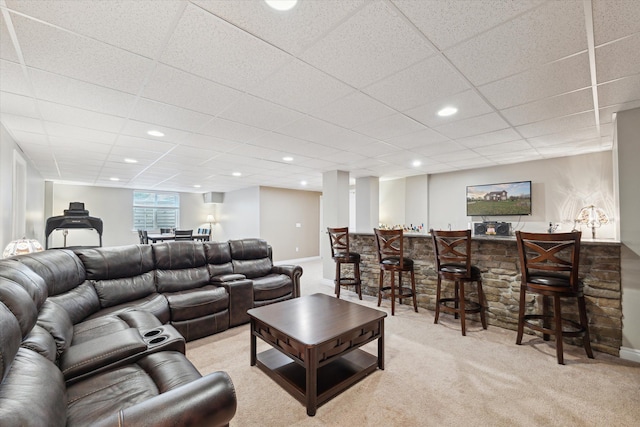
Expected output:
(497, 258)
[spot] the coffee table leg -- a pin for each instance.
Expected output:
(253, 343)
(381, 346)
(311, 366)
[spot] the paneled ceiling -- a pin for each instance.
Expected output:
(352, 85)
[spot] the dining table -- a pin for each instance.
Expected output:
(162, 237)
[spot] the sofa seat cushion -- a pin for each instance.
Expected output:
(107, 325)
(271, 286)
(194, 303)
(156, 304)
(99, 396)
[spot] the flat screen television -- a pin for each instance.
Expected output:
(509, 198)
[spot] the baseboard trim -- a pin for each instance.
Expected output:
(297, 261)
(631, 354)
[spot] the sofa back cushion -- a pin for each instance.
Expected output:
(10, 339)
(116, 262)
(55, 320)
(180, 266)
(218, 258)
(80, 302)
(251, 257)
(118, 291)
(18, 301)
(60, 268)
(35, 285)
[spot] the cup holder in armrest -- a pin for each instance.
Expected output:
(158, 339)
(152, 333)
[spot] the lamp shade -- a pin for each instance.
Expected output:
(593, 217)
(22, 246)
(210, 218)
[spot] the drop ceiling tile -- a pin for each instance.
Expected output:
(473, 126)
(504, 147)
(473, 163)
(548, 108)
(555, 78)
(81, 133)
(21, 123)
(227, 129)
(429, 80)
(169, 115)
(312, 129)
(137, 26)
(77, 57)
(72, 116)
(37, 141)
(417, 139)
(564, 137)
(557, 125)
(455, 156)
(544, 34)
(12, 79)
(468, 103)
(205, 45)
(210, 142)
(613, 19)
(432, 150)
(516, 157)
(18, 105)
(504, 135)
(609, 65)
(390, 127)
(301, 87)
(256, 112)
(75, 93)
(144, 144)
(308, 20)
(172, 86)
(619, 91)
(446, 23)
(80, 146)
(140, 129)
(353, 110)
(7, 50)
(606, 114)
(369, 55)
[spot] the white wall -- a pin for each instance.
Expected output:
(34, 215)
(560, 187)
(239, 215)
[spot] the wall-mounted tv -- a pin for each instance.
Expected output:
(509, 198)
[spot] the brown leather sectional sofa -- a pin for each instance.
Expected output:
(97, 336)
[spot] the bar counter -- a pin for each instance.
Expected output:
(497, 258)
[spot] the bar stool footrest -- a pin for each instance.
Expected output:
(576, 329)
(470, 306)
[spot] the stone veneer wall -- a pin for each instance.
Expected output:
(497, 258)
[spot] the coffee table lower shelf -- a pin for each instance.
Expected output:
(333, 378)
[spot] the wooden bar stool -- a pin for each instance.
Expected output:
(452, 251)
(549, 265)
(339, 239)
(390, 246)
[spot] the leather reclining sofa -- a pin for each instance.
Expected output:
(96, 336)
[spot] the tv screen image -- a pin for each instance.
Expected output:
(509, 198)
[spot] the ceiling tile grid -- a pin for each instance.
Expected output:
(353, 85)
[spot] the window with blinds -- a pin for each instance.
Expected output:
(153, 210)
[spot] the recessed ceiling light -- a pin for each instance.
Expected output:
(447, 111)
(416, 163)
(155, 133)
(287, 159)
(127, 160)
(303, 183)
(236, 174)
(197, 186)
(114, 179)
(281, 5)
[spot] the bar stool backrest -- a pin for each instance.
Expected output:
(550, 259)
(452, 249)
(339, 240)
(389, 244)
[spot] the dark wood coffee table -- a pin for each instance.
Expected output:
(316, 340)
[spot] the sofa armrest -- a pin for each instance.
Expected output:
(207, 401)
(293, 271)
(226, 278)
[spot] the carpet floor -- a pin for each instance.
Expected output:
(436, 377)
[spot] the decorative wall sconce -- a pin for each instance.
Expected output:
(592, 217)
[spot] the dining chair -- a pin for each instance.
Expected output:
(452, 250)
(549, 265)
(183, 235)
(143, 236)
(390, 248)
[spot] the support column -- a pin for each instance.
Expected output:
(335, 213)
(367, 204)
(627, 157)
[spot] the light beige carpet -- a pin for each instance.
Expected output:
(436, 377)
